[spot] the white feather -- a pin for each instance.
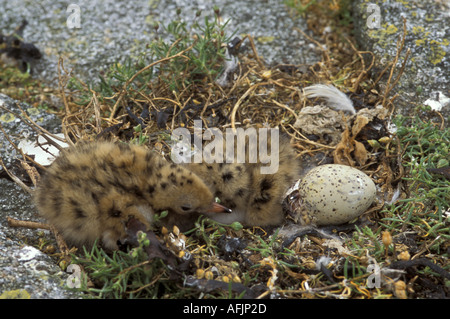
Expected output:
(335, 99)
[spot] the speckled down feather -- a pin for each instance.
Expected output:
(91, 190)
(255, 198)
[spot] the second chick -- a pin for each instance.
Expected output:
(254, 198)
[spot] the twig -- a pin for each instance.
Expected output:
(238, 103)
(401, 264)
(285, 107)
(124, 88)
(60, 242)
(400, 46)
(252, 44)
(364, 70)
(61, 87)
(31, 171)
(324, 50)
(98, 123)
(306, 140)
(26, 223)
(36, 127)
(15, 178)
(37, 225)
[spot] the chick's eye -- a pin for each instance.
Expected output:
(186, 208)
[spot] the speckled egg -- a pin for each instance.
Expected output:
(332, 194)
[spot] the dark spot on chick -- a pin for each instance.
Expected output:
(148, 156)
(56, 199)
(64, 164)
(114, 212)
(127, 188)
(189, 181)
(84, 168)
(78, 227)
(163, 185)
(264, 195)
(79, 212)
(124, 147)
(240, 192)
(76, 184)
(173, 178)
(227, 176)
(266, 184)
(230, 204)
(97, 181)
(265, 198)
(148, 170)
(95, 198)
(137, 191)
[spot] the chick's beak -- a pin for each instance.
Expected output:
(217, 208)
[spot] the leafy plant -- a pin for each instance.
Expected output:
(124, 274)
(203, 62)
(427, 148)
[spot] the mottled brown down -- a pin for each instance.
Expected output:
(91, 190)
(254, 198)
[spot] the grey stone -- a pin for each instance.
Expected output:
(22, 266)
(111, 31)
(426, 76)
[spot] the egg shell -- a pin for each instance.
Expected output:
(334, 194)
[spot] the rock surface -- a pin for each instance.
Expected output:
(25, 272)
(23, 268)
(110, 31)
(426, 77)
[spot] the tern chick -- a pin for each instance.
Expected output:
(92, 189)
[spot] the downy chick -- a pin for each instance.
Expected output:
(254, 198)
(91, 190)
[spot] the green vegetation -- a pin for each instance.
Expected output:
(204, 62)
(124, 274)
